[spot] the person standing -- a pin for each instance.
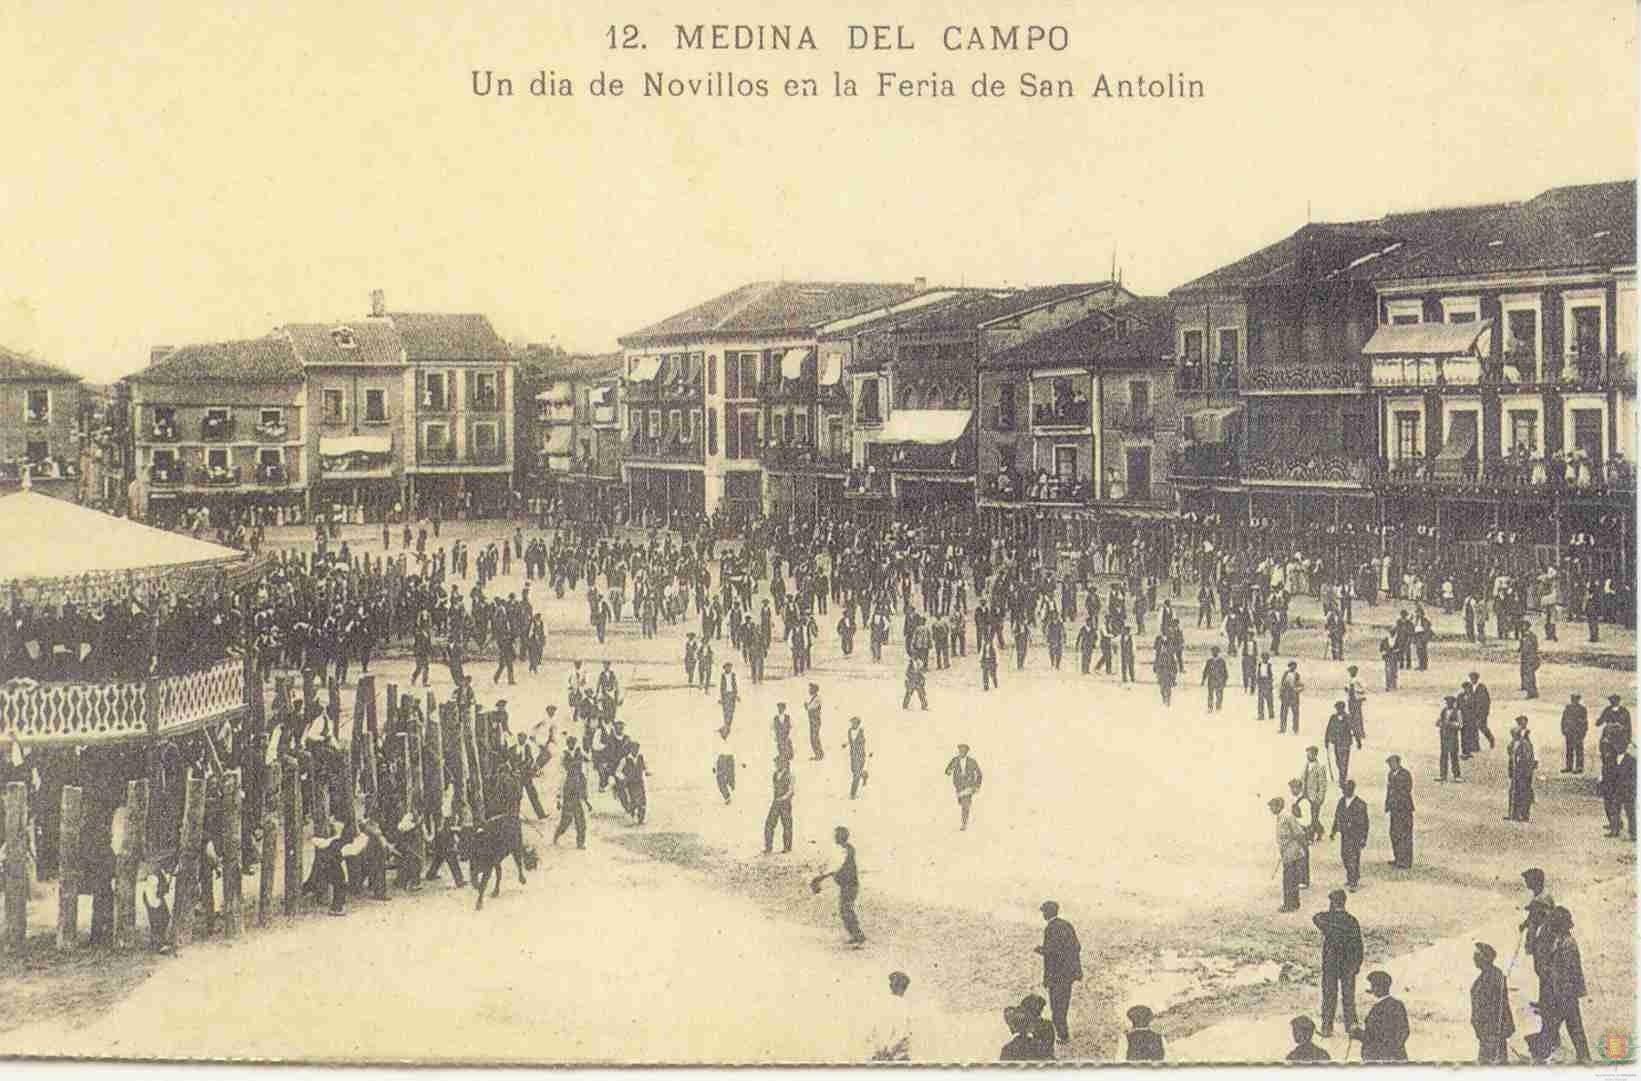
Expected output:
(1561, 985)
(988, 662)
(1265, 678)
(1350, 825)
(1125, 655)
(1304, 1047)
(1399, 809)
(1341, 960)
(1623, 792)
(1575, 724)
(1214, 677)
(1313, 782)
(915, 684)
(1522, 764)
(1355, 699)
(729, 692)
(780, 727)
(573, 796)
(966, 777)
(780, 807)
(1529, 660)
(1086, 637)
(857, 756)
(1336, 738)
(1490, 1017)
(1290, 849)
(723, 771)
(1383, 1034)
(847, 878)
(1482, 701)
(1062, 965)
(1387, 653)
(812, 707)
(1448, 723)
(1289, 691)
(1162, 662)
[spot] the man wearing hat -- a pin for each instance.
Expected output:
(1062, 964)
(1399, 808)
(1341, 960)
(1144, 1045)
(1575, 724)
(729, 692)
(1383, 1034)
(1448, 723)
(1290, 849)
(1288, 697)
(1522, 764)
(1304, 1049)
(1490, 1015)
(1355, 696)
(1614, 723)
(1529, 660)
(1337, 737)
(1314, 783)
(1350, 825)
(966, 777)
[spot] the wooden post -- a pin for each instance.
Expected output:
(455, 758)
(233, 806)
(433, 752)
(265, 868)
(333, 704)
(16, 869)
(475, 769)
(393, 706)
(68, 869)
(413, 794)
(367, 688)
(188, 858)
(350, 777)
(291, 805)
(128, 861)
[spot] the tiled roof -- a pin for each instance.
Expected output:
(537, 364)
(375, 342)
(968, 312)
(19, 367)
(259, 360)
(461, 336)
(1095, 340)
(1581, 226)
(773, 306)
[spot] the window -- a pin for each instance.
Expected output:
(1139, 473)
(732, 375)
(749, 373)
(485, 440)
(1005, 457)
(749, 433)
(216, 415)
(712, 431)
(675, 423)
(654, 430)
(712, 374)
(1006, 393)
(375, 406)
(217, 458)
(1191, 346)
(1586, 331)
(437, 436)
(1521, 335)
(1139, 399)
(39, 406)
(1523, 430)
(1407, 435)
(485, 396)
(1229, 343)
(270, 456)
(1401, 313)
(871, 409)
(835, 445)
(692, 425)
(272, 418)
(37, 450)
(1461, 309)
(1065, 463)
(434, 392)
(1354, 432)
(165, 460)
(800, 428)
(335, 406)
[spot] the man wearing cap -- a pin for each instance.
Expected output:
(1214, 677)
(1448, 723)
(1337, 738)
(1289, 697)
(1575, 724)
(1144, 1045)
(1264, 688)
(847, 877)
(1614, 723)
(1481, 701)
(1399, 808)
(1304, 1049)
(1529, 660)
(1355, 696)
(966, 777)
(1490, 1017)
(1314, 783)
(1062, 964)
(780, 806)
(572, 808)
(1341, 960)
(1522, 764)
(729, 692)
(1383, 1034)
(1350, 825)
(892, 1036)
(1290, 849)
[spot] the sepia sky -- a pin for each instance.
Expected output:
(176, 173)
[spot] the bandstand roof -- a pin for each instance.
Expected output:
(48, 538)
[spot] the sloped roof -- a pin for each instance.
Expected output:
(1095, 339)
(375, 343)
(457, 336)
(257, 360)
(53, 538)
(20, 367)
(761, 307)
(569, 366)
(972, 310)
(1579, 226)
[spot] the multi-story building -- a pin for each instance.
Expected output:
(39, 416)
(695, 422)
(104, 436)
(1502, 369)
(914, 386)
(356, 398)
(219, 426)
(1079, 430)
(569, 421)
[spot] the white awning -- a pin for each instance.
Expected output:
(557, 394)
(1426, 339)
(1213, 425)
(930, 427)
(792, 363)
(601, 395)
(644, 369)
(832, 370)
(335, 446)
(558, 439)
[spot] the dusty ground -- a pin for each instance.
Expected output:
(679, 941)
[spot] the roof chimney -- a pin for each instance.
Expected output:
(920, 285)
(378, 303)
(157, 353)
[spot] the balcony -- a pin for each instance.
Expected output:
(804, 457)
(1009, 487)
(665, 388)
(163, 430)
(72, 714)
(272, 474)
(1456, 371)
(1220, 377)
(1304, 377)
(1590, 370)
(1073, 414)
(437, 454)
(272, 433)
(216, 429)
(1206, 462)
(1567, 474)
(1329, 469)
(673, 448)
(486, 456)
(1143, 422)
(217, 476)
(165, 475)
(866, 483)
(484, 402)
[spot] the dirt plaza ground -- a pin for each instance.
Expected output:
(679, 941)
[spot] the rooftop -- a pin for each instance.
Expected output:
(454, 336)
(766, 307)
(257, 360)
(974, 309)
(368, 342)
(18, 367)
(543, 364)
(1135, 332)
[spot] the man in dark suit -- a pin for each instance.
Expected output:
(729, 692)
(1341, 960)
(1490, 1009)
(966, 776)
(1062, 965)
(1383, 1035)
(1350, 825)
(1575, 725)
(1214, 677)
(1399, 806)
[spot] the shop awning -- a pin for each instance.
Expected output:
(335, 446)
(1426, 339)
(832, 370)
(792, 363)
(1460, 444)
(930, 427)
(644, 369)
(1213, 425)
(559, 439)
(600, 395)
(557, 394)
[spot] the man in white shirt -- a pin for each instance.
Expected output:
(892, 1034)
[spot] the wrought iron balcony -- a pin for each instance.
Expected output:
(1309, 468)
(1197, 377)
(803, 456)
(1127, 420)
(216, 429)
(665, 448)
(165, 475)
(163, 430)
(1065, 415)
(1569, 474)
(272, 474)
(1006, 487)
(216, 476)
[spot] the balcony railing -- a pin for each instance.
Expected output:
(1065, 415)
(1444, 372)
(1206, 462)
(1309, 468)
(1127, 420)
(1304, 377)
(271, 474)
(666, 448)
(86, 713)
(1591, 370)
(663, 389)
(216, 429)
(486, 455)
(216, 476)
(1195, 376)
(164, 475)
(804, 455)
(868, 483)
(1044, 488)
(163, 431)
(272, 433)
(1569, 474)
(440, 454)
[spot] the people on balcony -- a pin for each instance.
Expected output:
(1006, 484)
(115, 640)
(164, 428)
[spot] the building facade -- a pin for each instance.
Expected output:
(39, 426)
(569, 423)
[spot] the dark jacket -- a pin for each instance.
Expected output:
(1399, 791)
(1384, 1032)
(1490, 1006)
(1062, 953)
(1350, 821)
(1341, 940)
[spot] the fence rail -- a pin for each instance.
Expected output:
(86, 713)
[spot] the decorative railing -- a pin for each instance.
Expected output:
(163, 431)
(440, 454)
(159, 474)
(804, 455)
(668, 449)
(1443, 372)
(486, 455)
(272, 433)
(1206, 462)
(1590, 370)
(650, 390)
(216, 429)
(1069, 415)
(218, 476)
(1008, 488)
(1195, 376)
(1504, 474)
(861, 482)
(272, 474)
(1126, 420)
(1309, 469)
(82, 713)
(1304, 377)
